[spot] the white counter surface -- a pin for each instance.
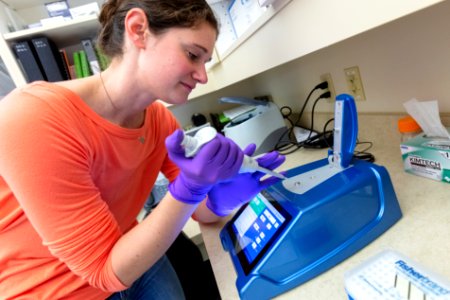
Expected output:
(422, 234)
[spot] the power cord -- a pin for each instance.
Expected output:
(363, 154)
(325, 138)
(322, 86)
(285, 142)
(323, 96)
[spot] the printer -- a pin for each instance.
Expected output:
(260, 123)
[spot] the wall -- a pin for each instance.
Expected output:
(3, 18)
(6, 24)
(406, 58)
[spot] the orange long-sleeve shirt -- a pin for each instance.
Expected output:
(71, 183)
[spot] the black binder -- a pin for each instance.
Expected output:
(50, 59)
(29, 60)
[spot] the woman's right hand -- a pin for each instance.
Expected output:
(227, 196)
(216, 161)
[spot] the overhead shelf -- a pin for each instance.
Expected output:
(64, 33)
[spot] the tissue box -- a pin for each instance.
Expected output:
(427, 156)
(392, 276)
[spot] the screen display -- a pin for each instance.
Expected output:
(256, 227)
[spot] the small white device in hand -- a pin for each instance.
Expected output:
(193, 144)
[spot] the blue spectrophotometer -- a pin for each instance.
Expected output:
(324, 212)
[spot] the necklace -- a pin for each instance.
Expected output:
(141, 139)
(106, 92)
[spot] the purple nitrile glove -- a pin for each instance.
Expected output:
(216, 161)
(226, 196)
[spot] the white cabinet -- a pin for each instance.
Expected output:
(300, 28)
(64, 35)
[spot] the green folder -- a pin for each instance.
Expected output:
(103, 59)
(85, 69)
(77, 64)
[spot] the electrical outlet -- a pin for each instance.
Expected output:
(354, 83)
(327, 77)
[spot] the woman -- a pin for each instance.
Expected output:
(78, 159)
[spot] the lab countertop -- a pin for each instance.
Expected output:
(422, 234)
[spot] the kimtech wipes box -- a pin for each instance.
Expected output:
(427, 156)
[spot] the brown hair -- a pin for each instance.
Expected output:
(161, 15)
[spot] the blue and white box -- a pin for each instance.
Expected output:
(427, 156)
(392, 276)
